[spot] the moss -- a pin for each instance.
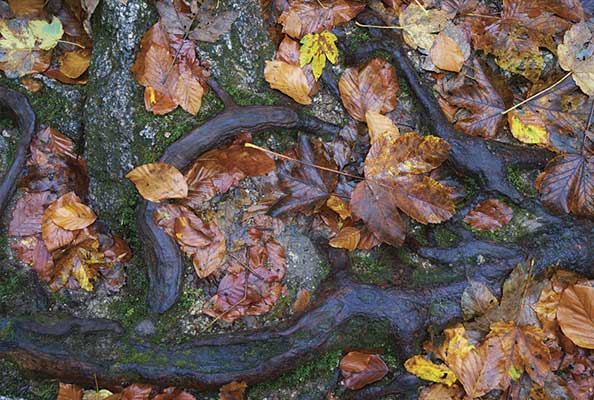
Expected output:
(144, 357)
(522, 180)
(247, 98)
(444, 237)
(383, 54)
(418, 232)
(320, 369)
(7, 331)
(14, 384)
(131, 309)
(12, 285)
(356, 38)
(369, 268)
(282, 306)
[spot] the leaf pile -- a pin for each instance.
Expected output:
(536, 339)
(53, 231)
(31, 36)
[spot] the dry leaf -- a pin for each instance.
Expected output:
(347, 238)
(420, 26)
(379, 125)
(69, 392)
(576, 315)
(576, 55)
(301, 301)
(233, 391)
(289, 79)
(477, 300)
(73, 216)
(159, 181)
(446, 53)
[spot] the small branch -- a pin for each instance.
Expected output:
(537, 94)
(378, 26)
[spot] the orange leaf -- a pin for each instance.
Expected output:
(301, 301)
(159, 181)
(361, 369)
(289, 79)
(233, 391)
(348, 238)
(73, 216)
(446, 53)
(69, 392)
(576, 315)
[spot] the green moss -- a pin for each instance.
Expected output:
(131, 309)
(470, 188)
(444, 237)
(383, 54)
(189, 298)
(250, 98)
(12, 285)
(7, 331)
(282, 306)
(369, 268)
(321, 369)
(14, 384)
(521, 180)
(144, 357)
(357, 37)
(418, 232)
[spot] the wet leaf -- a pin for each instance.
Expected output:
(380, 125)
(32, 251)
(26, 7)
(303, 17)
(576, 315)
(429, 371)
(289, 79)
(306, 187)
(372, 87)
(477, 299)
(347, 238)
(439, 391)
(489, 215)
(339, 206)
(69, 392)
(420, 26)
(73, 216)
(32, 85)
(23, 35)
(446, 53)
(361, 369)
(316, 49)
(159, 181)
(80, 261)
(53, 235)
(524, 349)
(527, 127)
(74, 63)
(576, 55)
(567, 184)
(96, 394)
(480, 99)
(135, 391)
(233, 391)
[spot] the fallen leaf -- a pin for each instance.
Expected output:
(429, 371)
(339, 206)
(361, 369)
(74, 63)
(73, 216)
(576, 54)
(347, 238)
(32, 85)
(26, 7)
(379, 125)
(301, 301)
(53, 235)
(446, 53)
(302, 17)
(420, 26)
(80, 261)
(69, 392)
(28, 213)
(372, 87)
(306, 187)
(316, 49)
(489, 215)
(289, 79)
(477, 299)
(438, 391)
(32, 251)
(173, 393)
(480, 98)
(159, 181)
(233, 391)
(136, 391)
(576, 315)
(96, 394)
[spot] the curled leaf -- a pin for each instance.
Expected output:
(489, 215)
(361, 369)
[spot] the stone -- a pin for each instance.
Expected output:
(145, 328)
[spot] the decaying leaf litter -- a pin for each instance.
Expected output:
(361, 189)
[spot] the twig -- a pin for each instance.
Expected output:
(482, 16)
(537, 94)
(244, 265)
(72, 43)
(420, 5)
(378, 26)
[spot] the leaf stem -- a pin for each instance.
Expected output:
(482, 16)
(72, 43)
(379, 26)
(284, 157)
(420, 5)
(537, 94)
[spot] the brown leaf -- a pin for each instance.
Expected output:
(53, 235)
(480, 98)
(26, 7)
(420, 26)
(306, 187)
(376, 206)
(361, 369)
(424, 199)
(159, 181)
(446, 53)
(476, 300)
(73, 216)
(289, 79)
(301, 301)
(135, 391)
(210, 258)
(289, 51)
(489, 215)
(372, 87)
(303, 17)
(576, 315)
(439, 391)
(233, 391)
(32, 251)
(524, 349)
(32, 85)
(379, 125)
(348, 238)
(69, 392)
(339, 206)
(28, 213)
(172, 393)
(74, 63)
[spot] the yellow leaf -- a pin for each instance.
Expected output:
(34, 35)
(421, 26)
(289, 79)
(527, 127)
(380, 125)
(159, 181)
(315, 49)
(339, 206)
(96, 394)
(348, 238)
(428, 370)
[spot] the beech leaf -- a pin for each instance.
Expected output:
(159, 181)
(576, 54)
(489, 215)
(576, 315)
(361, 369)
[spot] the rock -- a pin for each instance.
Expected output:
(145, 328)
(113, 145)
